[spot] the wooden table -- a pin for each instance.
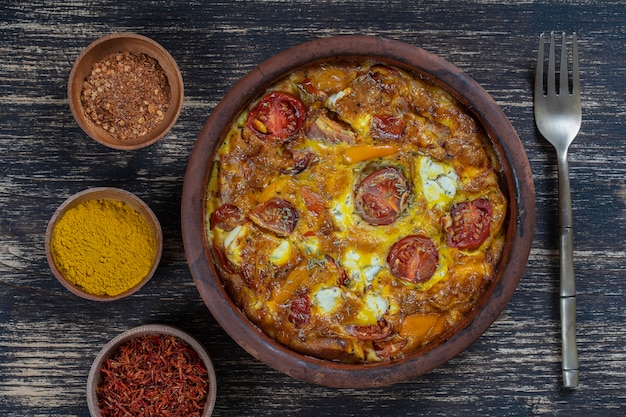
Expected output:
(49, 337)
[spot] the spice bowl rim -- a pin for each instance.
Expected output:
(111, 347)
(118, 42)
(106, 193)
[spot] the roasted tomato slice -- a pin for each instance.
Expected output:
(382, 196)
(223, 261)
(278, 116)
(300, 310)
(313, 201)
(413, 258)
(387, 127)
(276, 215)
(227, 217)
(469, 224)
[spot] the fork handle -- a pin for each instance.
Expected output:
(566, 242)
(567, 277)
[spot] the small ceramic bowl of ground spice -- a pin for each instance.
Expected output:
(152, 370)
(125, 91)
(103, 244)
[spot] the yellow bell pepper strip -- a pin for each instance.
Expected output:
(355, 154)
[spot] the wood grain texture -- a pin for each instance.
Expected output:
(49, 337)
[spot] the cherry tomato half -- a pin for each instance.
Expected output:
(382, 196)
(300, 310)
(387, 127)
(413, 258)
(227, 217)
(469, 224)
(313, 201)
(222, 260)
(278, 116)
(276, 215)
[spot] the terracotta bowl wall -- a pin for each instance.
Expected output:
(517, 184)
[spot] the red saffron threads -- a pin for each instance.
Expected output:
(153, 375)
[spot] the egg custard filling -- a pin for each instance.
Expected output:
(354, 212)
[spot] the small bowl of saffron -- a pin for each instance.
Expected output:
(103, 244)
(125, 91)
(152, 370)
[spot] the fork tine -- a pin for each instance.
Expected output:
(575, 72)
(539, 71)
(551, 67)
(563, 78)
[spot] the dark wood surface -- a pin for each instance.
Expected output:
(49, 337)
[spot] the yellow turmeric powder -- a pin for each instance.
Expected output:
(103, 246)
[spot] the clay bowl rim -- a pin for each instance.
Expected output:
(516, 174)
(119, 42)
(108, 193)
(94, 378)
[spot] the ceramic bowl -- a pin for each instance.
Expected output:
(105, 193)
(517, 184)
(115, 43)
(110, 349)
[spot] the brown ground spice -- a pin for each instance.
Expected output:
(127, 94)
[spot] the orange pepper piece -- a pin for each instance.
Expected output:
(423, 326)
(291, 284)
(360, 153)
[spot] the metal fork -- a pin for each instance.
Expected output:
(558, 116)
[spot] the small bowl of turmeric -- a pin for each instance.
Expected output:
(103, 244)
(125, 91)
